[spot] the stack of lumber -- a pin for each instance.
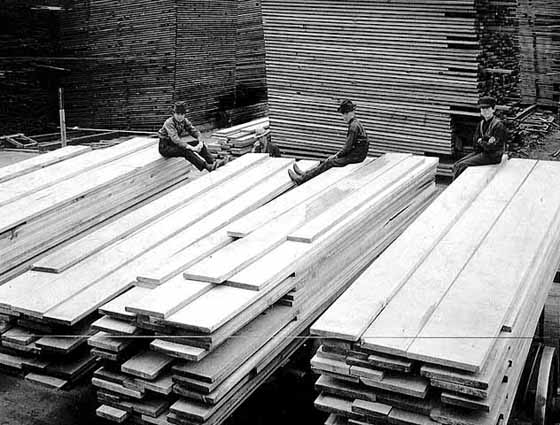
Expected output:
(209, 54)
(411, 67)
(46, 206)
(425, 337)
(539, 23)
(239, 139)
(230, 309)
(52, 306)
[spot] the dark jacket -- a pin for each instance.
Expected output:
(271, 149)
(357, 143)
(172, 131)
(487, 129)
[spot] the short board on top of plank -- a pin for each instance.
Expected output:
(147, 365)
(112, 414)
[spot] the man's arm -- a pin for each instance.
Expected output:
(497, 140)
(172, 133)
(193, 131)
(350, 141)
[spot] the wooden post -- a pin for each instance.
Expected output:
(62, 116)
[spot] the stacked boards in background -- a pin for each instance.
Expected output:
(539, 25)
(131, 60)
(438, 328)
(413, 68)
(239, 140)
(48, 199)
(229, 307)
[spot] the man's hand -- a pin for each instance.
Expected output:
(491, 140)
(199, 146)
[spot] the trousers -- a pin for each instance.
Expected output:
(477, 158)
(330, 163)
(200, 159)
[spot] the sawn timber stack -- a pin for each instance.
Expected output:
(426, 337)
(217, 325)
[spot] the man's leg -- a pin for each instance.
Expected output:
(205, 153)
(476, 159)
(320, 168)
(171, 150)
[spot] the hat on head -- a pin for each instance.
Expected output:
(487, 102)
(346, 106)
(180, 108)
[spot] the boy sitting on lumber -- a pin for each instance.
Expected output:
(174, 141)
(489, 138)
(355, 149)
(263, 145)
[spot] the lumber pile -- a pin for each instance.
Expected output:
(425, 337)
(209, 54)
(413, 68)
(47, 206)
(50, 309)
(239, 140)
(199, 329)
(539, 24)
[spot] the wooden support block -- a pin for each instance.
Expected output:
(327, 365)
(112, 414)
(46, 381)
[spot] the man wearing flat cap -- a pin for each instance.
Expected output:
(355, 149)
(174, 141)
(489, 138)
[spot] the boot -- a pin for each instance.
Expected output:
(297, 169)
(297, 179)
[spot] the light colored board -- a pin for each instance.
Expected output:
(112, 414)
(414, 386)
(328, 365)
(46, 381)
(177, 350)
(260, 217)
(219, 305)
(20, 187)
(163, 384)
(133, 246)
(169, 297)
(117, 307)
(147, 365)
(19, 335)
(105, 341)
(369, 408)
(339, 388)
(390, 363)
(115, 327)
(335, 405)
(402, 319)
(356, 309)
(225, 359)
(368, 373)
(40, 161)
(532, 212)
(63, 258)
(10, 360)
(116, 388)
(62, 344)
(226, 262)
(408, 418)
(312, 229)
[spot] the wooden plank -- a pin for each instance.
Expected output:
(390, 363)
(20, 336)
(370, 408)
(402, 417)
(40, 161)
(46, 381)
(368, 373)
(395, 328)
(112, 414)
(536, 208)
(106, 341)
(117, 308)
(409, 251)
(115, 327)
(413, 386)
(177, 350)
(168, 298)
(253, 221)
(63, 258)
(328, 365)
(231, 259)
(147, 365)
(116, 388)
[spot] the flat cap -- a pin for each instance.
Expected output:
(486, 102)
(180, 107)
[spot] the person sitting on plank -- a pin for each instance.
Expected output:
(489, 138)
(263, 145)
(174, 141)
(355, 149)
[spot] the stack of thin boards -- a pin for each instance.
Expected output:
(62, 193)
(52, 306)
(412, 67)
(437, 330)
(231, 308)
(239, 140)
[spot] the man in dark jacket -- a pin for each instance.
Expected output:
(174, 141)
(263, 145)
(355, 149)
(489, 138)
